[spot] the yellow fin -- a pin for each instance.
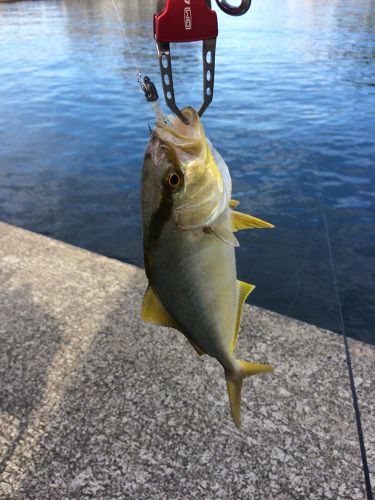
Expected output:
(198, 350)
(234, 385)
(244, 221)
(153, 310)
(244, 291)
(233, 203)
(234, 395)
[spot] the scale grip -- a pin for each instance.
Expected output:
(185, 21)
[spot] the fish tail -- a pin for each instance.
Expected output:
(234, 385)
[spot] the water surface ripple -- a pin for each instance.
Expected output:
(293, 115)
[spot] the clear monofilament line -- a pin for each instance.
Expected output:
(341, 324)
(138, 73)
(159, 114)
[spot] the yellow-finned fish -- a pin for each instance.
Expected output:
(189, 246)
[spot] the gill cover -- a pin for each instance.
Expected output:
(207, 184)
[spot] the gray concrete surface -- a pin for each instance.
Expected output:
(94, 403)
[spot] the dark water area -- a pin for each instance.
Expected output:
(293, 115)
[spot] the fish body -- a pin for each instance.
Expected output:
(189, 246)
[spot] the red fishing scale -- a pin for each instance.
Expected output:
(178, 21)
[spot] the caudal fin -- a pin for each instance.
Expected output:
(234, 385)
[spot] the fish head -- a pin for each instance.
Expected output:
(184, 174)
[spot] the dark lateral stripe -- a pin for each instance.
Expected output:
(158, 219)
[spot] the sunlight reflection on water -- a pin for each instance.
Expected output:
(293, 112)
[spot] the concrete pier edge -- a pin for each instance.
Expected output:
(95, 403)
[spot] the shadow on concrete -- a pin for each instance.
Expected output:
(131, 414)
(29, 339)
(141, 416)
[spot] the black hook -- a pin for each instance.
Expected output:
(232, 10)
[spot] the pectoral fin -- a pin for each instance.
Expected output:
(244, 291)
(244, 221)
(222, 229)
(226, 235)
(153, 310)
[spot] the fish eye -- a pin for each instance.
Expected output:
(173, 180)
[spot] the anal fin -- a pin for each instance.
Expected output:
(244, 221)
(153, 310)
(198, 350)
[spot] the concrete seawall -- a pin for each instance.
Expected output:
(94, 403)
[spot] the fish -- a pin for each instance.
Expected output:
(189, 221)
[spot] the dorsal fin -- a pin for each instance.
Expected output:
(244, 291)
(244, 221)
(153, 310)
(233, 203)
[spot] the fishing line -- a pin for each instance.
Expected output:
(138, 73)
(145, 83)
(341, 324)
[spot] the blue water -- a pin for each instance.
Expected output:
(293, 115)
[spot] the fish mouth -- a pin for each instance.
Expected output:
(179, 128)
(207, 185)
(186, 140)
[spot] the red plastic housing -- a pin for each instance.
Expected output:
(185, 21)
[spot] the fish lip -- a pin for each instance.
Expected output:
(175, 137)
